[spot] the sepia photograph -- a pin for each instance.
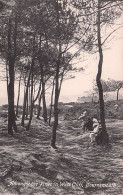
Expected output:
(61, 97)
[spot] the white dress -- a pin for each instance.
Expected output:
(95, 129)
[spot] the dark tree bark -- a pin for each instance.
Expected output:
(26, 94)
(57, 87)
(118, 93)
(18, 97)
(39, 106)
(11, 64)
(27, 102)
(7, 77)
(44, 103)
(58, 84)
(92, 97)
(33, 102)
(24, 102)
(105, 137)
(43, 95)
(28, 82)
(51, 104)
(55, 124)
(31, 105)
(11, 112)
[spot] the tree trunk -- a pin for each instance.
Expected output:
(51, 104)
(31, 105)
(118, 93)
(18, 97)
(29, 97)
(26, 95)
(57, 87)
(43, 95)
(105, 137)
(27, 103)
(11, 112)
(11, 63)
(24, 106)
(33, 101)
(30, 119)
(39, 106)
(55, 124)
(7, 77)
(44, 103)
(92, 97)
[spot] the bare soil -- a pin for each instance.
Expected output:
(29, 166)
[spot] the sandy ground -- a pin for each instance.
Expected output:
(29, 166)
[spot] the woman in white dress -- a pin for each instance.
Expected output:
(95, 131)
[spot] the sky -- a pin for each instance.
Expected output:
(112, 68)
(83, 82)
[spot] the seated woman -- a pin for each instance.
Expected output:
(95, 130)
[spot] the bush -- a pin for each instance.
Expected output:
(4, 114)
(73, 112)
